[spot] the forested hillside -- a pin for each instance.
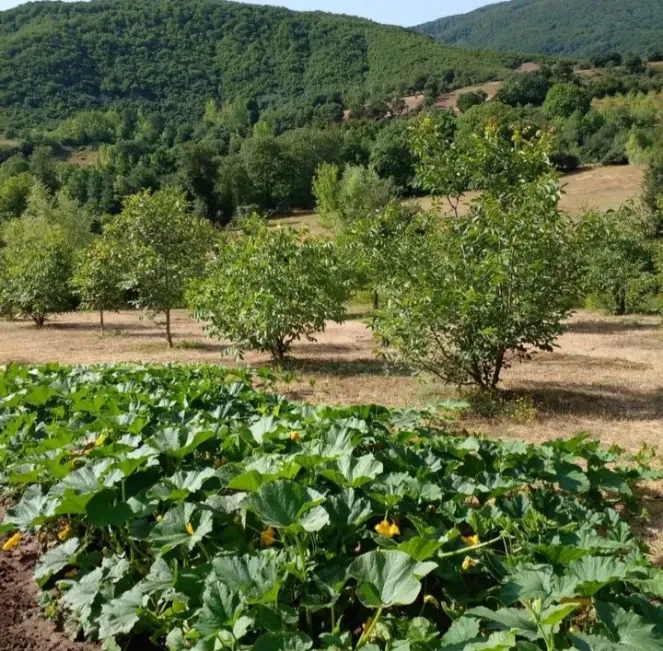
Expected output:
(174, 55)
(557, 27)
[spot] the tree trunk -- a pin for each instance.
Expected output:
(376, 300)
(499, 363)
(39, 318)
(169, 336)
(278, 352)
(621, 302)
(101, 323)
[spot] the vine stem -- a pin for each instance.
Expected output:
(367, 633)
(460, 552)
(301, 547)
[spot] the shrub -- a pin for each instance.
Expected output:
(563, 100)
(270, 288)
(524, 90)
(467, 100)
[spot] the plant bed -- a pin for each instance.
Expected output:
(187, 507)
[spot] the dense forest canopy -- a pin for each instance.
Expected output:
(557, 27)
(174, 55)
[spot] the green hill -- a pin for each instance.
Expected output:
(174, 55)
(557, 27)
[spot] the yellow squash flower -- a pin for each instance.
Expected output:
(12, 542)
(469, 563)
(189, 528)
(387, 529)
(295, 437)
(65, 532)
(268, 537)
(470, 541)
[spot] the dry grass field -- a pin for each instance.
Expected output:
(605, 379)
(601, 188)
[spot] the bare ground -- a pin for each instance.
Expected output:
(22, 625)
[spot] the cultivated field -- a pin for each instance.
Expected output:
(606, 378)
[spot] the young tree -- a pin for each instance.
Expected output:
(652, 188)
(468, 293)
(348, 205)
(164, 248)
(270, 288)
(38, 264)
(98, 278)
(618, 259)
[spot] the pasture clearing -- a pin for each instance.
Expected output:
(599, 188)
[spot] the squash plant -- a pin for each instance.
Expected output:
(187, 507)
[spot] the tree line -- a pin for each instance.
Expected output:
(461, 291)
(239, 159)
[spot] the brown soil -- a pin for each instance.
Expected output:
(22, 626)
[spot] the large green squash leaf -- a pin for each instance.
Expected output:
(388, 578)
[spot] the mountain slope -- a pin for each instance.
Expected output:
(556, 27)
(174, 55)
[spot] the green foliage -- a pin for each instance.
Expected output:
(391, 155)
(37, 261)
(525, 90)
(619, 259)
(58, 60)
(14, 192)
(469, 293)
(468, 100)
(563, 100)
(98, 277)
(652, 189)
(343, 199)
(270, 288)
(163, 248)
(199, 512)
(556, 27)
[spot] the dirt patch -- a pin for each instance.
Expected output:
(83, 157)
(450, 100)
(22, 626)
(529, 66)
(606, 377)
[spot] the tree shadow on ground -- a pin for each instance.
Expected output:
(585, 363)
(590, 327)
(342, 368)
(602, 401)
